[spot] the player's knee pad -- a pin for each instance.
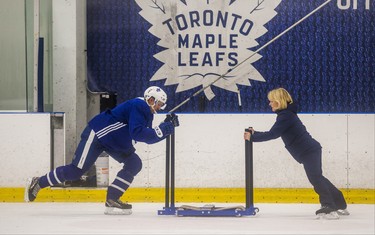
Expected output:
(133, 164)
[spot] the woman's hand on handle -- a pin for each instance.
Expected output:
(248, 133)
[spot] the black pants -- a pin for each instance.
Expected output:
(329, 195)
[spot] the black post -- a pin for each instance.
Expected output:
(40, 75)
(167, 162)
(172, 168)
(249, 172)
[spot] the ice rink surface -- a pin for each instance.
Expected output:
(88, 218)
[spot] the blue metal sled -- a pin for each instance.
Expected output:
(207, 210)
(168, 211)
(211, 210)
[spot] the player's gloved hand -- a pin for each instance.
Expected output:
(164, 129)
(173, 118)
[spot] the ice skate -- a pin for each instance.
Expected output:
(343, 212)
(117, 207)
(327, 213)
(32, 188)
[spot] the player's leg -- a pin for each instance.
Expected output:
(55, 177)
(132, 166)
(313, 167)
(339, 199)
(85, 156)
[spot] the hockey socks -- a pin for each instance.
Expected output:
(119, 185)
(60, 175)
(113, 205)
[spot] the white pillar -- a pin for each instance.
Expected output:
(69, 80)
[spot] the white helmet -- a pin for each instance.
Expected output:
(157, 93)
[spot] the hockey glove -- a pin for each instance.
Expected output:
(164, 129)
(173, 118)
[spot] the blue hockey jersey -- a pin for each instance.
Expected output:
(129, 122)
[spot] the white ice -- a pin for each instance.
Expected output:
(88, 218)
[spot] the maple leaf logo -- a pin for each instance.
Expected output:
(205, 39)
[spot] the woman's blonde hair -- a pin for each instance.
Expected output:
(280, 96)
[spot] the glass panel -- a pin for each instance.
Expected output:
(29, 15)
(12, 57)
(17, 54)
(45, 31)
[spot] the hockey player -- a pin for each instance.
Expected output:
(113, 131)
(304, 149)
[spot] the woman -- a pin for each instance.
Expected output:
(304, 149)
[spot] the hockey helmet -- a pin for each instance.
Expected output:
(158, 94)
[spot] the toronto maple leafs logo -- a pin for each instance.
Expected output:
(204, 39)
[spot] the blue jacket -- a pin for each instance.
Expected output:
(292, 131)
(129, 122)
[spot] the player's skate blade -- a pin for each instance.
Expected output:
(343, 212)
(117, 211)
(117, 207)
(329, 216)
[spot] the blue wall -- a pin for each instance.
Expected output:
(326, 62)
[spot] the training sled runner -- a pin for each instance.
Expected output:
(207, 210)
(212, 210)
